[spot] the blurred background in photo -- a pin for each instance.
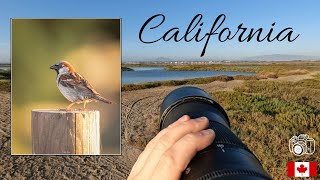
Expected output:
(92, 46)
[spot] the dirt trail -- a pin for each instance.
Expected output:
(295, 78)
(140, 122)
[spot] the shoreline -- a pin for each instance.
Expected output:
(263, 70)
(222, 78)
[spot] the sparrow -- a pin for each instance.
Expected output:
(75, 87)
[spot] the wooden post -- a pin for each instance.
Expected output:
(65, 132)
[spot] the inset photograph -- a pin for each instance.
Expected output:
(66, 78)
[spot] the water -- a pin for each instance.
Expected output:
(152, 74)
(4, 67)
(147, 68)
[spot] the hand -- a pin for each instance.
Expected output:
(167, 155)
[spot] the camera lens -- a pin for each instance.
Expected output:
(297, 149)
(227, 157)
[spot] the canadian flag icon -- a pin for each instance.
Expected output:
(302, 169)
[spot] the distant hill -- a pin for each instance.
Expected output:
(163, 59)
(4, 59)
(272, 57)
(281, 57)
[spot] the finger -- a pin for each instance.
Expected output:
(180, 130)
(183, 118)
(175, 160)
(152, 143)
(144, 155)
(168, 140)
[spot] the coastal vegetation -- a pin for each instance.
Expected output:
(279, 69)
(317, 76)
(130, 87)
(223, 78)
(262, 70)
(5, 74)
(123, 68)
(266, 114)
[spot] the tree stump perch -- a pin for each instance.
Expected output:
(65, 132)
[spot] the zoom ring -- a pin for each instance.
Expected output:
(223, 136)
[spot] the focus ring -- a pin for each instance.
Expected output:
(232, 172)
(223, 135)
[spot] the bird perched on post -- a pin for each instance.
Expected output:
(74, 87)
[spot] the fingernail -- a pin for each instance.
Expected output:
(201, 119)
(207, 132)
(185, 118)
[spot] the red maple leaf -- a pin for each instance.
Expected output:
(302, 169)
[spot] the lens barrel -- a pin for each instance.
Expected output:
(227, 157)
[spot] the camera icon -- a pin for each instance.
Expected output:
(302, 144)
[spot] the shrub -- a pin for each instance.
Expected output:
(266, 114)
(267, 75)
(297, 72)
(130, 87)
(242, 77)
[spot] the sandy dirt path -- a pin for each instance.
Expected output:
(295, 78)
(140, 123)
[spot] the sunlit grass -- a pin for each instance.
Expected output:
(317, 76)
(266, 114)
(206, 80)
(130, 87)
(276, 69)
(263, 70)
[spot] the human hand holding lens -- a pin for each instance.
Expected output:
(167, 155)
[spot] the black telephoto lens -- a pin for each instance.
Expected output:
(227, 157)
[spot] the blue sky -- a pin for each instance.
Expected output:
(302, 16)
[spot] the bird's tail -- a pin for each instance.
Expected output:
(102, 99)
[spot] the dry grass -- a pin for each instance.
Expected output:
(222, 78)
(263, 70)
(296, 72)
(131, 87)
(267, 75)
(266, 114)
(275, 69)
(5, 85)
(243, 77)
(317, 76)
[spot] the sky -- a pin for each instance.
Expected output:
(302, 16)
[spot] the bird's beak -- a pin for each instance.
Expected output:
(55, 67)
